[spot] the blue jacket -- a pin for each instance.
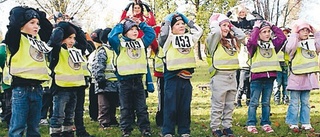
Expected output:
(114, 41)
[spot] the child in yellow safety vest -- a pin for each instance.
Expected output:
(303, 53)
(222, 52)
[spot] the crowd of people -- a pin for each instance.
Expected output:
(47, 70)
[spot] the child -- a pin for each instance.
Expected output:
(23, 41)
(264, 66)
(223, 48)
(131, 65)
(67, 78)
(106, 85)
(179, 66)
(303, 77)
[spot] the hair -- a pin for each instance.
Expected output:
(234, 42)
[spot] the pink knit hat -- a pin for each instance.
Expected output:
(221, 19)
(301, 24)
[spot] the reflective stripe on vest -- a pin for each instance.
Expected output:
(67, 73)
(33, 65)
(265, 60)
(132, 58)
(180, 54)
(224, 59)
(304, 61)
(85, 68)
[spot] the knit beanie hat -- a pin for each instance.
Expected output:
(264, 25)
(68, 29)
(20, 15)
(57, 15)
(302, 24)
(95, 35)
(223, 18)
(127, 25)
(175, 19)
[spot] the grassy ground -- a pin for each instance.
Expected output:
(201, 115)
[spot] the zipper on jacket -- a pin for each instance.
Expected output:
(268, 74)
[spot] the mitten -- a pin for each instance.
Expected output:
(56, 37)
(168, 18)
(229, 13)
(184, 18)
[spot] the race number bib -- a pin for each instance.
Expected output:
(134, 49)
(75, 55)
(182, 41)
(265, 45)
(39, 45)
(307, 44)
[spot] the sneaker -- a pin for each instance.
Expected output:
(44, 122)
(185, 135)
(307, 127)
(168, 135)
(267, 128)
(83, 134)
(294, 128)
(125, 134)
(228, 132)
(105, 126)
(217, 133)
(252, 129)
(114, 123)
(146, 133)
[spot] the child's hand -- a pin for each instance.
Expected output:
(257, 23)
(137, 20)
(214, 17)
(169, 17)
(294, 28)
(184, 18)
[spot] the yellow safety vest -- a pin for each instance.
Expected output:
(283, 57)
(29, 63)
(132, 58)
(85, 69)
(110, 69)
(180, 53)
(6, 77)
(265, 60)
(304, 61)
(224, 59)
(158, 63)
(67, 73)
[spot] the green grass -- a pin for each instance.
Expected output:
(200, 111)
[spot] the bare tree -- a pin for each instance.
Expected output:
(1, 1)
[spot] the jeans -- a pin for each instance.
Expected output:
(7, 106)
(46, 103)
(282, 80)
(93, 103)
(133, 100)
(177, 101)
(108, 102)
(78, 113)
(299, 106)
(260, 87)
(159, 114)
(26, 108)
(244, 84)
(64, 104)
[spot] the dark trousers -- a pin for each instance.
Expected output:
(46, 103)
(108, 102)
(6, 106)
(93, 103)
(159, 114)
(133, 100)
(78, 117)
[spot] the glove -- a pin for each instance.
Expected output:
(229, 13)
(147, 7)
(102, 84)
(16, 16)
(128, 6)
(168, 18)
(56, 37)
(184, 18)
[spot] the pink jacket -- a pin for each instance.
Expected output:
(306, 81)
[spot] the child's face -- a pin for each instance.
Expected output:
(225, 29)
(132, 33)
(242, 14)
(265, 34)
(304, 33)
(136, 9)
(179, 28)
(31, 27)
(69, 41)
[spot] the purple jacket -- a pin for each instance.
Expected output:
(252, 44)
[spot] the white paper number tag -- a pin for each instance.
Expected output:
(137, 44)
(307, 44)
(182, 41)
(75, 55)
(265, 45)
(39, 45)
